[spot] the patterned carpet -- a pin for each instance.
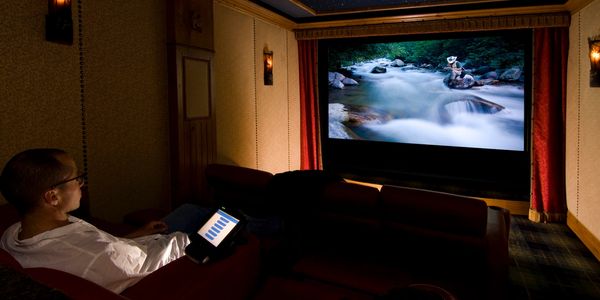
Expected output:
(548, 261)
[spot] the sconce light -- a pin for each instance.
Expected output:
(59, 24)
(268, 61)
(594, 62)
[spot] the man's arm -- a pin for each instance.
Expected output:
(151, 227)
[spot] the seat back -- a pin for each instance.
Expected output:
(238, 187)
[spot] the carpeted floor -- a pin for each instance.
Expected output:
(548, 261)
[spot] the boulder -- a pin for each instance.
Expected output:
(512, 74)
(349, 81)
(378, 70)
(337, 84)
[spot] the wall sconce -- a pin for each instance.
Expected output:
(594, 62)
(268, 61)
(59, 24)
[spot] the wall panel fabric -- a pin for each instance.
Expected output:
(39, 85)
(235, 87)
(583, 123)
(126, 98)
(272, 100)
(257, 124)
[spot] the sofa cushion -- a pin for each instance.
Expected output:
(8, 216)
(71, 285)
(350, 198)
(7, 260)
(17, 285)
(345, 218)
(367, 273)
(433, 210)
(297, 192)
(231, 277)
(301, 289)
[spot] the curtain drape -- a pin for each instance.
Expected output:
(310, 156)
(548, 191)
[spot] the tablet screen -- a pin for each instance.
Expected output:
(216, 229)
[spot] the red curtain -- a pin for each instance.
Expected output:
(310, 156)
(548, 197)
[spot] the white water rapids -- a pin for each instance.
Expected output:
(424, 111)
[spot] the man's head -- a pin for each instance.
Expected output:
(31, 174)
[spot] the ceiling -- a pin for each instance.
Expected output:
(302, 11)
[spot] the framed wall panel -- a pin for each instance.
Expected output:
(192, 122)
(196, 89)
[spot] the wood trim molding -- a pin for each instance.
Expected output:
(588, 238)
(466, 14)
(522, 13)
(573, 6)
(560, 19)
(254, 10)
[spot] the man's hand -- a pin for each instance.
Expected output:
(151, 227)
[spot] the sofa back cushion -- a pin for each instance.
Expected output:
(8, 216)
(239, 187)
(344, 219)
(436, 211)
(350, 199)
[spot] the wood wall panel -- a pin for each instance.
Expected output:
(193, 138)
(190, 23)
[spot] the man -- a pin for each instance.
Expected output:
(45, 185)
(455, 66)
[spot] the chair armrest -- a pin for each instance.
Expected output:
(497, 251)
(70, 285)
(232, 277)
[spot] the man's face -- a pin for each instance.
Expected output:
(69, 192)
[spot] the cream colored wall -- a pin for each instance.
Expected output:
(125, 96)
(39, 85)
(583, 123)
(258, 126)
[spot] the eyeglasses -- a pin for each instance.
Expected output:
(80, 179)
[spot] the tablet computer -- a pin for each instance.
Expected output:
(215, 235)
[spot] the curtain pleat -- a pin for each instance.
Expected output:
(310, 156)
(548, 190)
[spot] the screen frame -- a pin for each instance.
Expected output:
(462, 170)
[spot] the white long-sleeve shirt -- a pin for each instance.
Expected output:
(83, 250)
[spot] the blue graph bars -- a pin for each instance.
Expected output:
(220, 224)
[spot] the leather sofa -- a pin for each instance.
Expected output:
(367, 239)
(315, 235)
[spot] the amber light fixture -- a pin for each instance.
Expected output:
(268, 69)
(59, 23)
(594, 62)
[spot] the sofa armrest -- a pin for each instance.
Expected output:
(497, 251)
(70, 285)
(232, 277)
